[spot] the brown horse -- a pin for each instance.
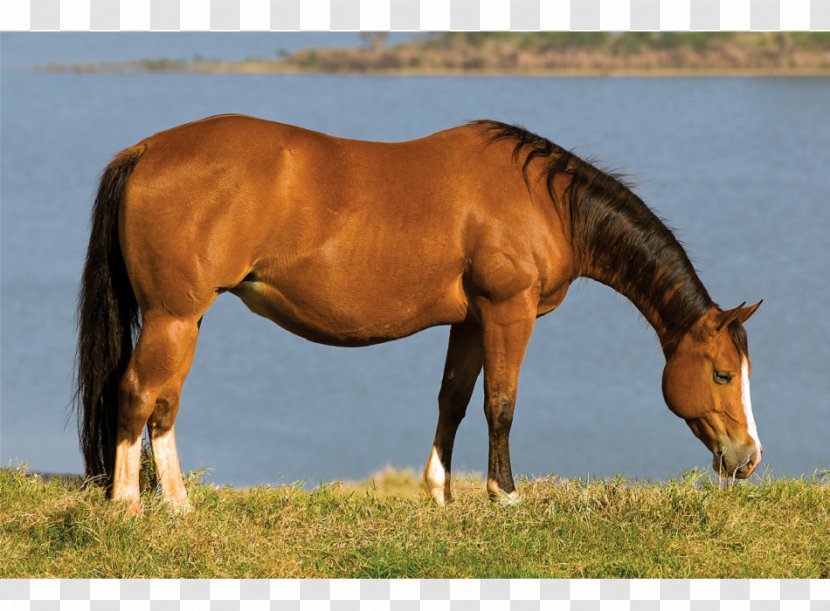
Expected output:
(482, 227)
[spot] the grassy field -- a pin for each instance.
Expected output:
(385, 529)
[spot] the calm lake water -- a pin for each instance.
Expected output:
(737, 165)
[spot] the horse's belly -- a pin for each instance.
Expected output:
(338, 319)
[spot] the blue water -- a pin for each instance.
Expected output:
(738, 166)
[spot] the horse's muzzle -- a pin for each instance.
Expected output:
(738, 462)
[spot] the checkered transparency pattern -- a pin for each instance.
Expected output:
(45, 14)
(819, 15)
(524, 14)
(104, 15)
(454, 594)
(404, 14)
(165, 15)
(412, 15)
(224, 14)
(465, 15)
(285, 15)
(705, 15)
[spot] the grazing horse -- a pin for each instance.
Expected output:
(482, 227)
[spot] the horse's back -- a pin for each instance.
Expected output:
(284, 165)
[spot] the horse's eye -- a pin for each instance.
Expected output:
(723, 377)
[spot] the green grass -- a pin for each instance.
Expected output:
(562, 528)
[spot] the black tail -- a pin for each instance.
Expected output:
(108, 320)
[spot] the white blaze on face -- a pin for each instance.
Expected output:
(747, 403)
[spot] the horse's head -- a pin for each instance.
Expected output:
(706, 382)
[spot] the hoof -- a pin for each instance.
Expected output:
(180, 508)
(498, 495)
(507, 498)
(132, 507)
(437, 498)
(436, 494)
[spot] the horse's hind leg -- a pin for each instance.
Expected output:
(460, 373)
(150, 392)
(160, 424)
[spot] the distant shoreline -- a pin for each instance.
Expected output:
(275, 68)
(516, 54)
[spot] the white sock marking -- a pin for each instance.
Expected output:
(747, 403)
(169, 471)
(436, 474)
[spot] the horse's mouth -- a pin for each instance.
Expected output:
(740, 471)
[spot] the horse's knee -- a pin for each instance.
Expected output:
(452, 403)
(500, 414)
(450, 412)
(503, 422)
(134, 405)
(164, 413)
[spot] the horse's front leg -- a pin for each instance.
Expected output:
(506, 327)
(460, 374)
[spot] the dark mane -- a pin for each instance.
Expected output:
(616, 238)
(738, 333)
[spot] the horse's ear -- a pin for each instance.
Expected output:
(722, 319)
(741, 314)
(748, 311)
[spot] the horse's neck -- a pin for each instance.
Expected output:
(621, 243)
